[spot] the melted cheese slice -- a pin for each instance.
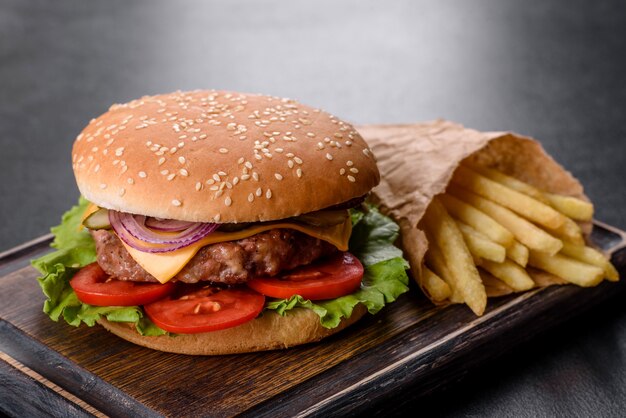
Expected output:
(164, 266)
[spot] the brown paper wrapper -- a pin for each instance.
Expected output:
(417, 161)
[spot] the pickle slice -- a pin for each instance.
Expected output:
(98, 220)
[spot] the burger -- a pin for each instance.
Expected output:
(216, 222)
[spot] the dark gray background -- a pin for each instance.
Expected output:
(548, 69)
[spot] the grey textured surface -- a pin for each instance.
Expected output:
(548, 69)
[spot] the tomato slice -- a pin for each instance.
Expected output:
(205, 308)
(328, 279)
(93, 286)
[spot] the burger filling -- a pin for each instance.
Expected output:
(233, 262)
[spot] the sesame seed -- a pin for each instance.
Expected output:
(121, 191)
(223, 150)
(198, 186)
(258, 157)
(142, 174)
(214, 188)
(228, 201)
(245, 177)
(221, 173)
(259, 192)
(165, 172)
(124, 168)
(278, 150)
(96, 168)
(171, 176)
(354, 170)
(216, 177)
(130, 180)
(278, 176)
(235, 180)
(161, 160)
(248, 164)
(217, 217)
(202, 136)
(310, 134)
(173, 150)
(342, 171)
(210, 181)
(255, 176)
(320, 145)
(176, 202)
(329, 157)
(351, 178)
(290, 155)
(297, 160)
(250, 198)
(219, 193)
(366, 152)
(240, 160)
(299, 172)
(181, 160)
(268, 194)
(349, 163)
(183, 172)
(119, 151)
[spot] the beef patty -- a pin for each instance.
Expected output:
(264, 254)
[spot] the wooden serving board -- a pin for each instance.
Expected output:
(410, 347)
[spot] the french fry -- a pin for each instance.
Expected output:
(480, 246)
(527, 233)
(569, 269)
(443, 230)
(518, 202)
(518, 252)
(571, 207)
(477, 219)
(437, 288)
(543, 278)
(494, 287)
(437, 263)
(509, 181)
(591, 256)
(510, 273)
(569, 231)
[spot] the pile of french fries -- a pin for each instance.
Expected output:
(490, 229)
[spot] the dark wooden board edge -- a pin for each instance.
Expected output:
(68, 375)
(22, 395)
(418, 371)
(20, 256)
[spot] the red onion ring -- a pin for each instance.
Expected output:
(133, 230)
(167, 225)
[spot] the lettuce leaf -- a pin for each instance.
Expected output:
(385, 275)
(76, 249)
(372, 242)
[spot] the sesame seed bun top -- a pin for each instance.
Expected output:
(215, 156)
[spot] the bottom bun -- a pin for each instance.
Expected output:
(267, 332)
